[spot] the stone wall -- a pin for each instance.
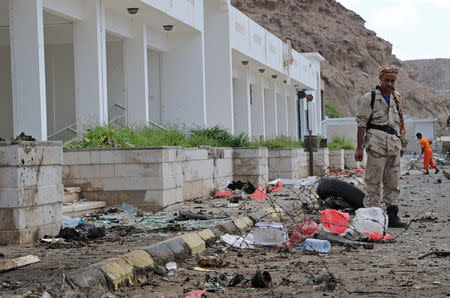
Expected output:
(336, 159)
(250, 164)
(321, 162)
(288, 163)
(349, 160)
(31, 191)
(148, 178)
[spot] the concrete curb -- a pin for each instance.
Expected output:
(134, 267)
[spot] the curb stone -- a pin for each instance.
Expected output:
(113, 274)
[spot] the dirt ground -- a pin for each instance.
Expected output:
(389, 269)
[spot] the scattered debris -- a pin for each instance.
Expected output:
(236, 279)
(261, 279)
(24, 137)
(317, 245)
(237, 241)
(370, 221)
(69, 222)
(202, 269)
(259, 194)
(232, 205)
(334, 221)
(193, 294)
(247, 187)
(270, 233)
(212, 262)
(335, 239)
(96, 232)
(18, 262)
(223, 194)
(446, 174)
(336, 188)
(278, 187)
(441, 253)
(187, 215)
(304, 230)
(127, 207)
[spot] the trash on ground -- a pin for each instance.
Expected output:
(335, 221)
(359, 171)
(317, 245)
(193, 294)
(187, 215)
(306, 229)
(437, 253)
(335, 239)
(127, 207)
(236, 279)
(223, 194)
(278, 187)
(270, 233)
(96, 232)
(446, 174)
(18, 262)
(370, 221)
(215, 283)
(51, 240)
(247, 187)
(261, 279)
(211, 262)
(202, 269)
(259, 194)
(171, 266)
(296, 183)
(238, 241)
(343, 193)
(69, 222)
(224, 186)
(232, 205)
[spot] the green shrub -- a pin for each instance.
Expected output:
(278, 143)
(341, 143)
(331, 110)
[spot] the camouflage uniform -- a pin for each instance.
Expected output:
(382, 149)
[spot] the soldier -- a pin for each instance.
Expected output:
(381, 131)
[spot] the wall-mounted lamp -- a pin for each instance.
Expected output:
(274, 76)
(244, 62)
(133, 10)
(261, 70)
(168, 27)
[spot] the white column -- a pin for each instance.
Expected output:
(292, 115)
(282, 112)
(258, 115)
(90, 66)
(28, 68)
(136, 76)
(241, 104)
(270, 111)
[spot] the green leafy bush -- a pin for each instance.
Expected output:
(341, 143)
(278, 143)
(331, 110)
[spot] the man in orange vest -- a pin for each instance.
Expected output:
(425, 144)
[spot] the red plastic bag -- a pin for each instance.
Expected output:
(223, 194)
(335, 221)
(306, 229)
(359, 171)
(378, 237)
(259, 194)
(277, 187)
(193, 294)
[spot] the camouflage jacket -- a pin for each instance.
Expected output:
(383, 114)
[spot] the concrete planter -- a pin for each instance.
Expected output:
(31, 191)
(251, 164)
(336, 159)
(288, 163)
(148, 178)
(321, 161)
(350, 162)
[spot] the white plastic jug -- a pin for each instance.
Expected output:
(270, 233)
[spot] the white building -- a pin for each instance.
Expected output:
(65, 64)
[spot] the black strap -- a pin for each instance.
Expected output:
(372, 102)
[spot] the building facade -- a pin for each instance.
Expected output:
(66, 64)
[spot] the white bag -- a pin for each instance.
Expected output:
(370, 220)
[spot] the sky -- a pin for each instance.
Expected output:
(417, 29)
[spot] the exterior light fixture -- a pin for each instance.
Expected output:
(168, 27)
(133, 10)
(244, 62)
(261, 70)
(274, 76)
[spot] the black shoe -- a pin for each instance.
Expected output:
(426, 172)
(436, 170)
(394, 220)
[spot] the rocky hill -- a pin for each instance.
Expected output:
(432, 72)
(352, 52)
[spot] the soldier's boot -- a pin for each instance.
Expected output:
(394, 220)
(436, 170)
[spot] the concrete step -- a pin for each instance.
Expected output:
(80, 208)
(71, 194)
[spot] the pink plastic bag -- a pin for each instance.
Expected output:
(335, 221)
(259, 194)
(306, 229)
(277, 187)
(193, 294)
(378, 237)
(223, 194)
(359, 171)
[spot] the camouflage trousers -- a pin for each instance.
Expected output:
(381, 170)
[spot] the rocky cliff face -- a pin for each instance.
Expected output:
(353, 53)
(432, 72)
